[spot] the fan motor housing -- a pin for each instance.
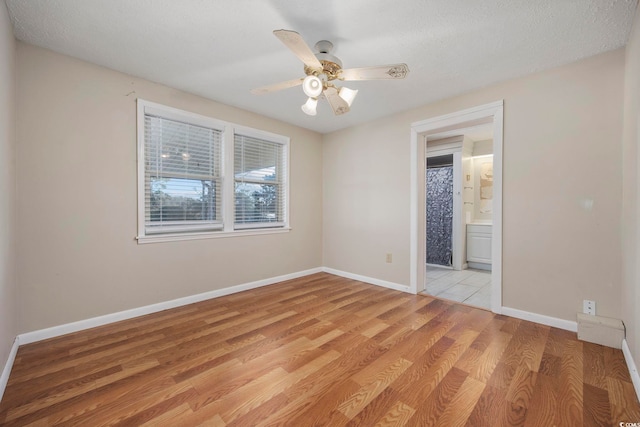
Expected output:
(331, 65)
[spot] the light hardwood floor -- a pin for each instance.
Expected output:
(320, 350)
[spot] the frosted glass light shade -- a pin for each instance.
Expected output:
(312, 86)
(309, 107)
(348, 95)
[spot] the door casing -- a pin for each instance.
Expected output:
(488, 113)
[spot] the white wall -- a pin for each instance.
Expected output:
(630, 301)
(8, 299)
(562, 133)
(76, 214)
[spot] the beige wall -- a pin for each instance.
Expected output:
(8, 298)
(631, 188)
(76, 175)
(562, 133)
(76, 168)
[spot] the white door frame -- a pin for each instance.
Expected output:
(419, 130)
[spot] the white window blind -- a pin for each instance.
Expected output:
(182, 176)
(260, 182)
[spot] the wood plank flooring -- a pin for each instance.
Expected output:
(320, 351)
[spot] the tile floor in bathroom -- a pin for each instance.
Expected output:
(469, 286)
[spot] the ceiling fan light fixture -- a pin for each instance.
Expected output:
(348, 95)
(312, 86)
(310, 107)
(321, 69)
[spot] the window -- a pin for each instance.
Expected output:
(182, 190)
(259, 190)
(182, 176)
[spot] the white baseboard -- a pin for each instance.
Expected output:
(631, 365)
(479, 266)
(4, 378)
(541, 318)
(366, 279)
(55, 331)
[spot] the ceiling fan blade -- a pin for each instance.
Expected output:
(394, 71)
(276, 86)
(338, 105)
(297, 45)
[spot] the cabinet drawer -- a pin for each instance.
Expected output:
(479, 228)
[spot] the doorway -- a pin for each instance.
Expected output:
(466, 202)
(451, 124)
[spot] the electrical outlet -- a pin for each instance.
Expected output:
(589, 307)
(389, 258)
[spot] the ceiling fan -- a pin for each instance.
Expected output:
(322, 70)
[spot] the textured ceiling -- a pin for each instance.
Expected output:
(221, 49)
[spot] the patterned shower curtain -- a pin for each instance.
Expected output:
(439, 215)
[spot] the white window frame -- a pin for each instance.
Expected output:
(229, 228)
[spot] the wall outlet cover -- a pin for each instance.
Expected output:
(589, 307)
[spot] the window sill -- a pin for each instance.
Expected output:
(160, 238)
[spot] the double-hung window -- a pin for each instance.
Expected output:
(200, 177)
(259, 173)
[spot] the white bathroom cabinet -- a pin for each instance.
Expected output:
(479, 246)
